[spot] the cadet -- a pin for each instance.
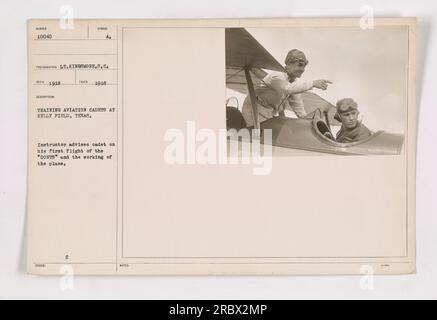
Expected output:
(281, 91)
(351, 129)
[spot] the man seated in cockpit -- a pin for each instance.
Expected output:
(351, 129)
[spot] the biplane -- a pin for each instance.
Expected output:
(246, 62)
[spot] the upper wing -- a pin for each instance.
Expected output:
(243, 51)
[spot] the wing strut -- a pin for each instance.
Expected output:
(253, 100)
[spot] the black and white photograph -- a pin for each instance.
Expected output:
(333, 90)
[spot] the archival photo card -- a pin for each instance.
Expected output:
(222, 147)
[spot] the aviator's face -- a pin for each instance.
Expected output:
(295, 69)
(349, 119)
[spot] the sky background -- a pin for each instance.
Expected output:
(369, 66)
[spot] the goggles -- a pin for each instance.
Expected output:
(346, 108)
(301, 61)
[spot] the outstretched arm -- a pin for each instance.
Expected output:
(285, 87)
